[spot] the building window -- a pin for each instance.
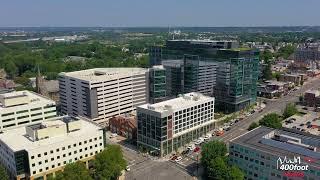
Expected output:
(45, 153)
(33, 165)
(39, 155)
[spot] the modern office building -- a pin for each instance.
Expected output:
(39, 150)
(166, 126)
(266, 153)
(228, 73)
(23, 108)
(157, 84)
(175, 49)
(237, 77)
(102, 93)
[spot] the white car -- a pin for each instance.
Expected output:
(178, 159)
(199, 142)
(191, 147)
(128, 168)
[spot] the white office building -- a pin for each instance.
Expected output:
(102, 93)
(39, 150)
(23, 108)
(166, 126)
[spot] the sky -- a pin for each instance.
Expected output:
(164, 13)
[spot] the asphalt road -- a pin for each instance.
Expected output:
(275, 105)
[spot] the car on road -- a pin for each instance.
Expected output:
(228, 129)
(236, 120)
(197, 149)
(207, 137)
(113, 135)
(174, 157)
(128, 168)
(305, 108)
(178, 159)
(185, 152)
(191, 147)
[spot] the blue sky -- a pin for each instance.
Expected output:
(124, 13)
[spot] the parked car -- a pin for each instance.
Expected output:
(228, 129)
(128, 168)
(301, 124)
(196, 149)
(173, 158)
(178, 159)
(191, 147)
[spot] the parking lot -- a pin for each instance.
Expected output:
(309, 122)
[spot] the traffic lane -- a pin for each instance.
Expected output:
(276, 106)
(155, 170)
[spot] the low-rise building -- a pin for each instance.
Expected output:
(23, 108)
(311, 98)
(7, 84)
(124, 126)
(295, 78)
(166, 126)
(39, 150)
(266, 153)
(272, 89)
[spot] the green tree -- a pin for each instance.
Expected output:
(212, 150)
(22, 80)
(235, 173)
(290, 110)
(253, 126)
(3, 174)
(11, 69)
(74, 171)
(218, 169)
(271, 120)
(109, 163)
(267, 73)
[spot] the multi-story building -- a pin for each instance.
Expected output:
(102, 93)
(39, 150)
(23, 108)
(166, 126)
(307, 55)
(157, 84)
(124, 125)
(266, 153)
(228, 73)
(237, 76)
(173, 49)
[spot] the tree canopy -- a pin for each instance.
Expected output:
(109, 163)
(74, 171)
(290, 110)
(214, 160)
(253, 125)
(271, 120)
(3, 173)
(211, 150)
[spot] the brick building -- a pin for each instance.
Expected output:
(124, 126)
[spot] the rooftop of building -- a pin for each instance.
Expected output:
(92, 74)
(181, 102)
(22, 98)
(158, 67)
(312, 92)
(309, 123)
(283, 142)
(17, 139)
(275, 83)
